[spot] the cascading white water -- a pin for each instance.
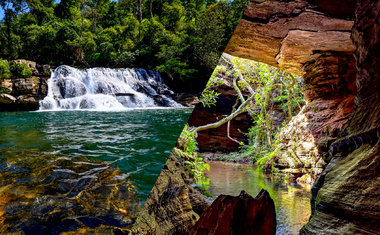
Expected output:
(104, 88)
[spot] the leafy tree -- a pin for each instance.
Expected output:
(182, 39)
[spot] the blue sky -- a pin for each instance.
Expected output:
(2, 11)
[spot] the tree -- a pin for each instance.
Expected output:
(259, 88)
(11, 9)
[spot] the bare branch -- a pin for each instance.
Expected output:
(228, 134)
(241, 109)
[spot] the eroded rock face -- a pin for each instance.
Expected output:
(304, 38)
(345, 197)
(238, 215)
(24, 93)
(172, 207)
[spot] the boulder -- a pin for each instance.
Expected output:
(7, 99)
(238, 215)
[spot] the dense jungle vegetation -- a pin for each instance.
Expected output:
(269, 95)
(183, 39)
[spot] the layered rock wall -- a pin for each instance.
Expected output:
(173, 206)
(23, 94)
(345, 197)
(304, 38)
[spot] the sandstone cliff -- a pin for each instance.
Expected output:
(304, 38)
(339, 125)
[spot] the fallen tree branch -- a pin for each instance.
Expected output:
(241, 109)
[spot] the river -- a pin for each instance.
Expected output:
(81, 168)
(292, 202)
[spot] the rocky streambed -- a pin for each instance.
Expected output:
(45, 193)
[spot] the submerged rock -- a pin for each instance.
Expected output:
(49, 194)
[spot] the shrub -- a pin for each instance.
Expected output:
(4, 69)
(20, 70)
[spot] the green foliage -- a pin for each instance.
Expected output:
(5, 71)
(20, 70)
(182, 39)
(209, 96)
(273, 91)
(187, 150)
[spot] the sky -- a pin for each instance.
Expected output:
(2, 11)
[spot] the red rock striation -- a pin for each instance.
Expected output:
(304, 38)
(345, 197)
(238, 215)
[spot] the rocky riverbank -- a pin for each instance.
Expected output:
(24, 94)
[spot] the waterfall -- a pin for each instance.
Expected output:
(106, 89)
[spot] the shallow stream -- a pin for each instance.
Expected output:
(292, 202)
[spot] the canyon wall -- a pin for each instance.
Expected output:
(345, 197)
(305, 38)
(336, 134)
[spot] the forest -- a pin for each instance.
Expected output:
(182, 39)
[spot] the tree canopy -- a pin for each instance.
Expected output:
(183, 39)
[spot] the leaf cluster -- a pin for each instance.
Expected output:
(187, 150)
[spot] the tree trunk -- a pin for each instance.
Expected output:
(241, 109)
(140, 11)
(8, 22)
(151, 8)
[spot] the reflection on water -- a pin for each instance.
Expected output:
(292, 203)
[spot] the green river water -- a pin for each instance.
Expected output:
(292, 202)
(81, 168)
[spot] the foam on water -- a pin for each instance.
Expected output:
(106, 89)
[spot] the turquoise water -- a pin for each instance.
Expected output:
(136, 141)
